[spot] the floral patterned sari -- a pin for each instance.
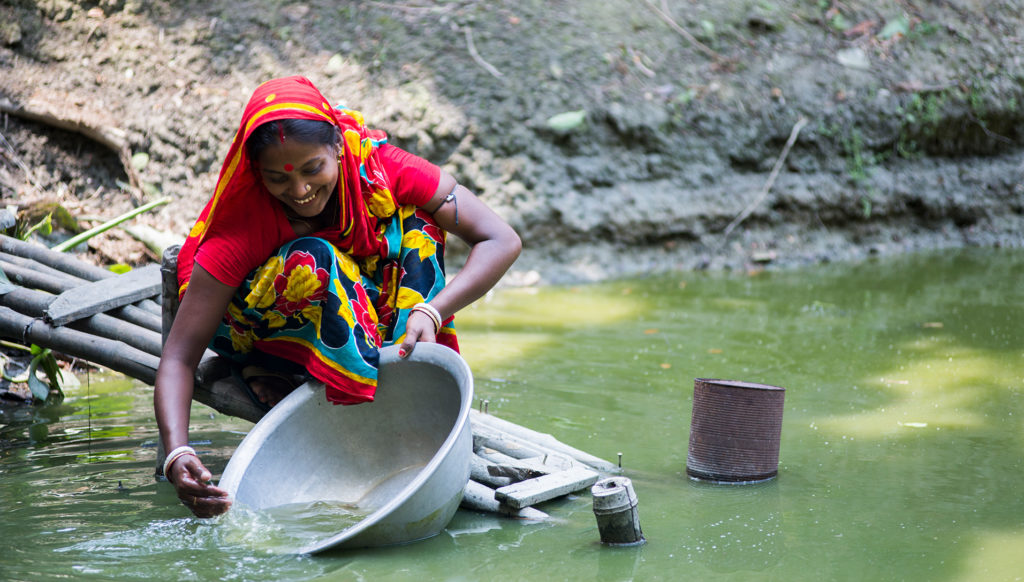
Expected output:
(312, 308)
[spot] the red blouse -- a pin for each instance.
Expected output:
(234, 247)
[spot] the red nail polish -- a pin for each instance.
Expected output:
(401, 353)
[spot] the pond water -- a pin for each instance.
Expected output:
(901, 455)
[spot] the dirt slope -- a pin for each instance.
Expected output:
(677, 113)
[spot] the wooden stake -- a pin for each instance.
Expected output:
(615, 507)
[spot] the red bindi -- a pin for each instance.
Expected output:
(288, 167)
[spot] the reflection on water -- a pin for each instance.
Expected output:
(298, 525)
(739, 529)
(901, 441)
(242, 545)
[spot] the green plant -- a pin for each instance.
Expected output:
(80, 238)
(920, 115)
(41, 358)
(859, 162)
(21, 230)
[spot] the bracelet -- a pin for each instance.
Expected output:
(432, 313)
(176, 454)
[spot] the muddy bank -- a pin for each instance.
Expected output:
(675, 121)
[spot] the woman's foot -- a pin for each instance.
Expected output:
(265, 387)
(270, 389)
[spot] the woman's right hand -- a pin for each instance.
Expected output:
(191, 480)
(200, 313)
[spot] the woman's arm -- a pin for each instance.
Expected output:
(495, 246)
(199, 314)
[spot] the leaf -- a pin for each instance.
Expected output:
(140, 160)
(44, 226)
(567, 121)
(44, 357)
(899, 26)
(839, 22)
(708, 27)
(52, 369)
(39, 390)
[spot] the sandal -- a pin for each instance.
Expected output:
(243, 376)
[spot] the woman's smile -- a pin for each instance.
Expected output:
(302, 176)
(310, 198)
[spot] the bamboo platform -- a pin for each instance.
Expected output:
(120, 322)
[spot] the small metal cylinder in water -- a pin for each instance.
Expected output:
(735, 431)
(615, 507)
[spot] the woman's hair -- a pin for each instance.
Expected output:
(308, 131)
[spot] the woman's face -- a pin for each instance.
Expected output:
(302, 176)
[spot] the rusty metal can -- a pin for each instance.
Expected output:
(734, 431)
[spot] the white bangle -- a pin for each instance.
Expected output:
(175, 454)
(431, 312)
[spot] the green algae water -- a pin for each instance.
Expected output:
(901, 455)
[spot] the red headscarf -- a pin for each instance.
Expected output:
(363, 188)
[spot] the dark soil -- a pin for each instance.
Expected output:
(913, 138)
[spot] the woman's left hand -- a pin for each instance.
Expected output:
(494, 247)
(418, 328)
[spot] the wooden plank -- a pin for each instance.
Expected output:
(546, 487)
(479, 497)
(100, 296)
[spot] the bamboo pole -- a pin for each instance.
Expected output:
(84, 236)
(21, 273)
(38, 267)
(35, 303)
(480, 497)
(60, 261)
(538, 439)
(27, 277)
(111, 354)
(65, 263)
(517, 448)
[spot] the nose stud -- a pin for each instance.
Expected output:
(307, 187)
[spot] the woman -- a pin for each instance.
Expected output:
(321, 244)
